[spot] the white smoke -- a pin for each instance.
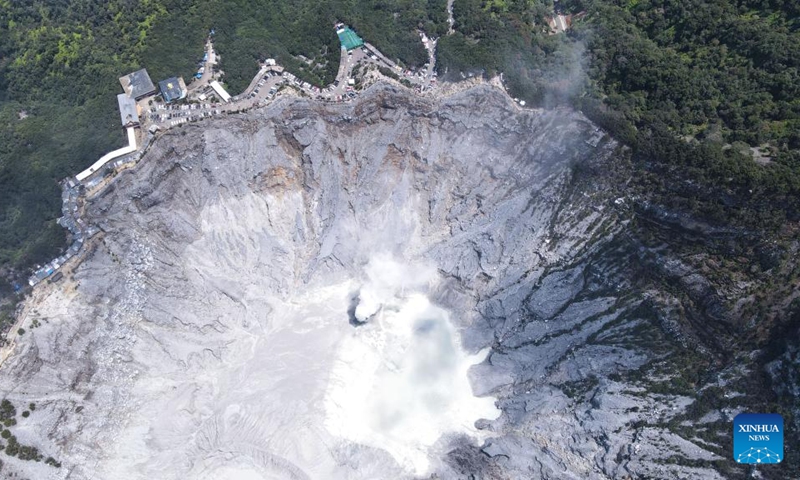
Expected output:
(388, 281)
(400, 381)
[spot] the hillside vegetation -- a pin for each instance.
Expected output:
(59, 64)
(690, 85)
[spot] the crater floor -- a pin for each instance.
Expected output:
(302, 292)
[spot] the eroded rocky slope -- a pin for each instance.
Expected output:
(203, 337)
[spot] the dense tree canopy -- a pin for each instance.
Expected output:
(698, 88)
(702, 83)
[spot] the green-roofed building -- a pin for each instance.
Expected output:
(348, 38)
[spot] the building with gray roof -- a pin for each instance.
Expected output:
(128, 112)
(137, 84)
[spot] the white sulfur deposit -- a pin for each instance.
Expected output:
(400, 382)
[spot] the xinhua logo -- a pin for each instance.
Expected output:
(758, 438)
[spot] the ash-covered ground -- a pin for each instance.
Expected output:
(399, 288)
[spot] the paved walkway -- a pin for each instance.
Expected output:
(98, 165)
(208, 69)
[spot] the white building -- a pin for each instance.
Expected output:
(220, 91)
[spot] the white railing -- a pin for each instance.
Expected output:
(110, 156)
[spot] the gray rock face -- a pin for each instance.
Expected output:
(203, 337)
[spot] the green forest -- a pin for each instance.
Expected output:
(692, 86)
(59, 69)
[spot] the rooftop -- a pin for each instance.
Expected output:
(348, 38)
(137, 84)
(127, 110)
(220, 91)
(172, 89)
